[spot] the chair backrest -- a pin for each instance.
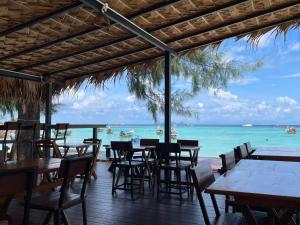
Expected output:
(240, 152)
(203, 177)
(164, 151)
(38, 131)
(96, 146)
(192, 143)
(122, 150)
(42, 148)
(188, 142)
(61, 130)
(228, 161)
(71, 167)
(12, 126)
(248, 147)
(148, 142)
(18, 181)
(11, 138)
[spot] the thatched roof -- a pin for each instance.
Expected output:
(67, 41)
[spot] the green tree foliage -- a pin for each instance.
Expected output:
(201, 70)
(7, 108)
(10, 107)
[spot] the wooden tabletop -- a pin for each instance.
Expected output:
(79, 145)
(277, 153)
(189, 148)
(265, 181)
(42, 165)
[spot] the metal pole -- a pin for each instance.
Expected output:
(48, 110)
(167, 97)
(95, 136)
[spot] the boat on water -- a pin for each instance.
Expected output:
(247, 125)
(159, 131)
(174, 133)
(99, 129)
(291, 130)
(127, 134)
(109, 130)
(61, 133)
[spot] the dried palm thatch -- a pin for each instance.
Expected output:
(67, 41)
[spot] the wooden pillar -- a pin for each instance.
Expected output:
(48, 110)
(167, 116)
(95, 136)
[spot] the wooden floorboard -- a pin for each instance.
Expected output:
(103, 208)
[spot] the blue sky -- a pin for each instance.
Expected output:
(269, 95)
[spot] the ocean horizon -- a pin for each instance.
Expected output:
(214, 139)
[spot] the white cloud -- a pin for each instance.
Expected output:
(232, 107)
(263, 106)
(282, 110)
(222, 94)
(130, 98)
(288, 110)
(244, 81)
(294, 75)
(286, 100)
(201, 105)
(295, 47)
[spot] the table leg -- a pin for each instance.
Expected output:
(250, 219)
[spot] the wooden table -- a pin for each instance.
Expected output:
(264, 183)
(41, 165)
(81, 148)
(277, 154)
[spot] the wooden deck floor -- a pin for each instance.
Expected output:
(105, 209)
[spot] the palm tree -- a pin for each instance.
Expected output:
(202, 69)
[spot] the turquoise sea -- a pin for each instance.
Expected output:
(214, 140)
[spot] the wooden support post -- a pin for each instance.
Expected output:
(167, 115)
(48, 113)
(95, 136)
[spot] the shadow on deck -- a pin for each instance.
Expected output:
(103, 208)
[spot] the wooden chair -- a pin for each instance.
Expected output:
(60, 131)
(228, 163)
(249, 148)
(148, 142)
(202, 178)
(240, 153)
(97, 144)
(193, 156)
(13, 182)
(167, 166)
(10, 127)
(55, 202)
(122, 160)
(43, 147)
(150, 159)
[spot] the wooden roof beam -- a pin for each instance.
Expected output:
(88, 31)
(244, 32)
(18, 75)
(40, 19)
(127, 24)
(198, 45)
(173, 23)
(29, 77)
(278, 8)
